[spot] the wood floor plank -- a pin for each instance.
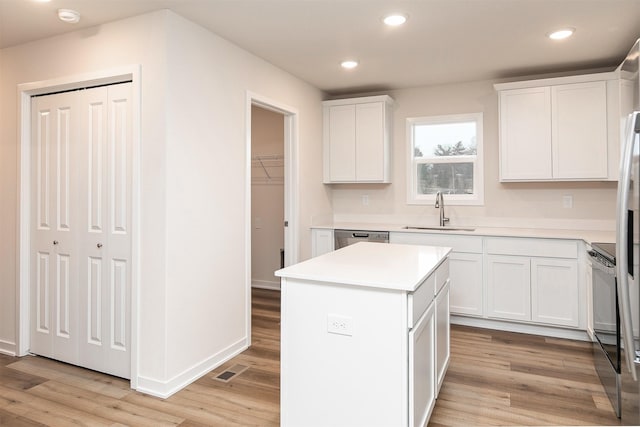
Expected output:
(18, 380)
(474, 396)
(219, 400)
(196, 411)
(240, 390)
(107, 407)
(44, 411)
(566, 411)
(74, 375)
(9, 419)
(6, 359)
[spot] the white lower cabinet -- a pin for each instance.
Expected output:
(466, 264)
(533, 288)
(466, 284)
(322, 241)
(509, 287)
(554, 291)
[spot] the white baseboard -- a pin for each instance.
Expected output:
(8, 348)
(265, 284)
(547, 331)
(165, 389)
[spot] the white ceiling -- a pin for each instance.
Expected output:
(443, 41)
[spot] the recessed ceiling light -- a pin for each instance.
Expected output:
(349, 64)
(561, 34)
(69, 15)
(395, 19)
(42, 1)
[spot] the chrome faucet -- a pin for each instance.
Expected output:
(440, 205)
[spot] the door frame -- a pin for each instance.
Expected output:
(23, 238)
(291, 212)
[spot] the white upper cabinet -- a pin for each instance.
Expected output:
(357, 138)
(525, 155)
(579, 130)
(558, 129)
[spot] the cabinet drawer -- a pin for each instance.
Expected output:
(420, 299)
(458, 243)
(550, 248)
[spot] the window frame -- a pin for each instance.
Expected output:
(477, 198)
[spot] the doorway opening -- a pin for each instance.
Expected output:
(272, 189)
(267, 197)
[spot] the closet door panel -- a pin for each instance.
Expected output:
(54, 226)
(107, 240)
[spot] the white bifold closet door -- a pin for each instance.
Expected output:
(81, 228)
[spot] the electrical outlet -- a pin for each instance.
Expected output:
(567, 202)
(341, 325)
(365, 200)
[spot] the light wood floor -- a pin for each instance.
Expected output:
(494, 378)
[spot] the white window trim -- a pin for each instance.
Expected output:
(476, 199)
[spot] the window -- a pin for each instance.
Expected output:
(445, 154)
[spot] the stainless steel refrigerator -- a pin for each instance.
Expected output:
(627, 230)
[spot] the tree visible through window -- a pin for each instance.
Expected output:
(446, 156)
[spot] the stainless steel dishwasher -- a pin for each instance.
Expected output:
(349, 237)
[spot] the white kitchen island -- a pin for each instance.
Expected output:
(365, 336)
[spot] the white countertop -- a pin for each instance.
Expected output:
(392, 266)
(589, 236)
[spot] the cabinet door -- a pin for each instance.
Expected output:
(525, 134)
(342, 143)
(369, 160)
(322, 242)
(442, 334)
(579, 130)
(422, 369)
(466, 283)
(509, 287)
(554, 291)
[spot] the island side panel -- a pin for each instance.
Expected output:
(330, 379)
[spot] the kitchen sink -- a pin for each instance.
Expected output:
(409, 227)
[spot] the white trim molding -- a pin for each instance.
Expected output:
(291, 208)
(8, 348)
(477, 159)
(165, 389)
(265, 284)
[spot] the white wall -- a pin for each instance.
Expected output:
(192, 289)
(267, 198)
(517, 204)
(206, 182)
